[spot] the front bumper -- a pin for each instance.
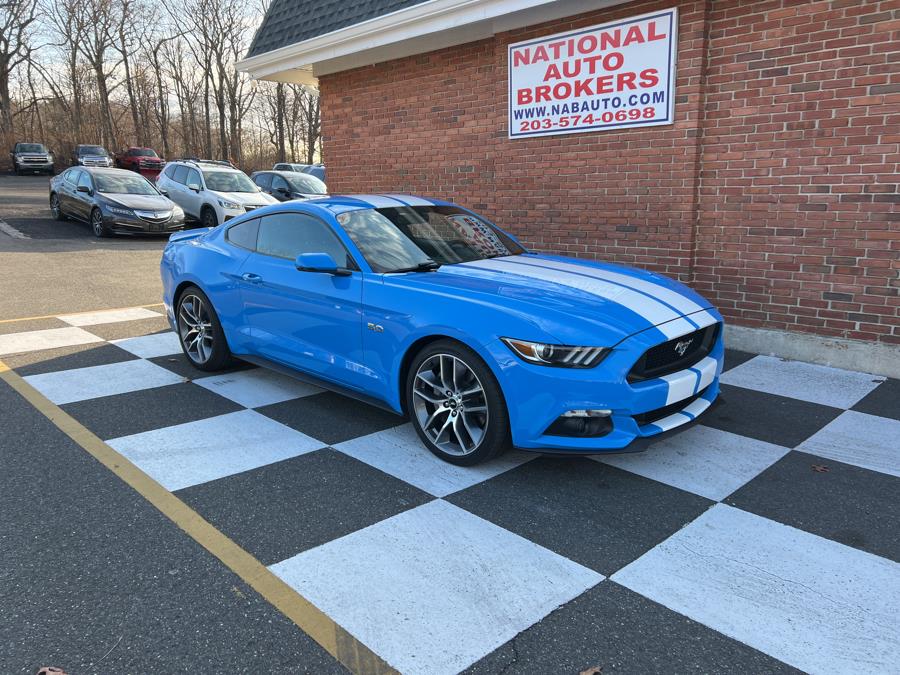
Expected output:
(125, 224)
(537, 395)
(34, 166)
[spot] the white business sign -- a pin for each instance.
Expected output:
(619, 74)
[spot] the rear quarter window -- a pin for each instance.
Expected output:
(244, 234)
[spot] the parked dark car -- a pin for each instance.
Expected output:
(91, 155)
(285, 185)
(145, 161)
(31, 157)
(317, 170)
(113, 200)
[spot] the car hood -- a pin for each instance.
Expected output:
(247, 198)
(569, 299)
(144, 202)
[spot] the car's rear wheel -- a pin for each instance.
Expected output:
(208, 217)
(55, 208)
(199, 331)
(98, 227)
(456, 405)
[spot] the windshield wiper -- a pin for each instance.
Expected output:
(428, 266)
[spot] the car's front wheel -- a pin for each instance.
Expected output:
(199, 331)
(208, 217)
(456, 405)
(98, 227)
(55, 208)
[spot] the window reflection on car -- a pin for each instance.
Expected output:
(408, 238)
(132, 185)
(228, 181)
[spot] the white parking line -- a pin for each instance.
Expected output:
(10, 231)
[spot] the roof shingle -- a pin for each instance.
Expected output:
(290, 21)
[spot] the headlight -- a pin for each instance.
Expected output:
(119, 210)
(561, 356)
(229, 205)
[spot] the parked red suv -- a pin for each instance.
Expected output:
(143, 160)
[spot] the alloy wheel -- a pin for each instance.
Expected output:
(54, 206)
(97, 223)
(450, 404)
(195, 328)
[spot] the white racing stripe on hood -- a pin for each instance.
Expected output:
(679, 302)
(409, 200)
(654, 312)
(379, 201)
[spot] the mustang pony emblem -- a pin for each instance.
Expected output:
(682, 346)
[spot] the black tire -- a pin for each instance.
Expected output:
(55, 208)
(219, 355)
(17, 170)
(493, 424)
(98, 227)
(208, 217)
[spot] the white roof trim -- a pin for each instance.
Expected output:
(394, 35)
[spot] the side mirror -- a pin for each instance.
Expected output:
(193, 186)
(83, 188)
(320, 262)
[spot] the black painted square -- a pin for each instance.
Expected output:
(592, 513)
(281, 509)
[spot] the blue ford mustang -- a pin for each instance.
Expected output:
(427, 309)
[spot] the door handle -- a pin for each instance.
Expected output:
(251, 278)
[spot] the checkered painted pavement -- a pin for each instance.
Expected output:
(762, 540)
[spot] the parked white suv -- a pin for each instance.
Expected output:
(210, 192)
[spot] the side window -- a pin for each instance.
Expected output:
(264, 180)
(180, 174)
(279, 182)
(193, 178)
(85, 179)
(281, 167)
(244, 234)
(71, 176)
(287, 235)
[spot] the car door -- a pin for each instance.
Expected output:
(66, 191)
(264, 182)
(311, 321)
(193, 199)
(82, 202)
(175, 186)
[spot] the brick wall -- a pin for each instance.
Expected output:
(774, 193)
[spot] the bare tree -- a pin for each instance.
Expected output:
(16, 20)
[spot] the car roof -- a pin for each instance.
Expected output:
(342, 203)
(105, 170)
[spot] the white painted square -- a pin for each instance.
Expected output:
(36, 340)
(399, 452)
(196, 452)
(435, 588)
(150, 346)
(869, 441)
(804, 381)
(813, 603)
(257, 387)
(705, 461)
(68, 386)
(109, 316)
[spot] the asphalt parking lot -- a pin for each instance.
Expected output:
(159, 519)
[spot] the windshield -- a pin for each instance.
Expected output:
(228, 181)
(30, 147)
(393, 239)
(92, 150)
(123, 184)
(303, 182)
(144, 152)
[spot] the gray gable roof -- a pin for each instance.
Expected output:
(290, 21)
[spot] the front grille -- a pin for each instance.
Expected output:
(35, 160)
(660, 413)
(664, 359)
